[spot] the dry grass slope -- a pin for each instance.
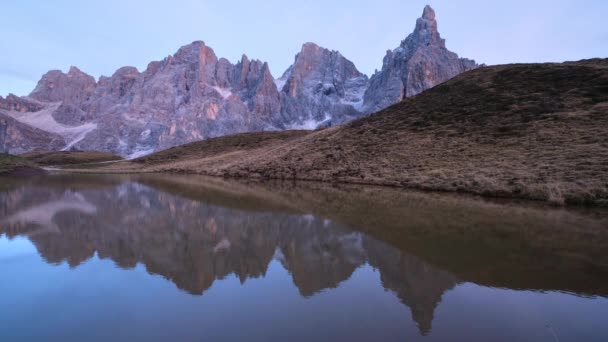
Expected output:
(16, 166)
(535, 131)
(47, 158)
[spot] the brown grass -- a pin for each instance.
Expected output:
(16, 166)
(55, 158)
(534, 131)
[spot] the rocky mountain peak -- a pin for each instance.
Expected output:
(246, 73)
(195, 52)
(193, 94)
(425, 32)
(127, 71)
(428, 13)
(266, 71)
(315, 64)
(420, 62)
(262, 97)
(321, 87)
(75, 72)
(311, 52)
(310, 48)
(118, 84)
(54, 86)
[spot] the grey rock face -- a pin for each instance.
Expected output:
(17, 137)
(256, 88)
(420, 62)
(17, 104)
(73, 87)
(194, 95)
(185, 97)
(321, 86)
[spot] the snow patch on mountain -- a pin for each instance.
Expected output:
(79, 136)
(225, 93)
(45, 121)
(140, 152)
(280, 83)
(310, 124)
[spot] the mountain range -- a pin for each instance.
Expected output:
(194, 95)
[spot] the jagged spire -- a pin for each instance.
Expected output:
(428, 13)
(426, 28)
(420, 62)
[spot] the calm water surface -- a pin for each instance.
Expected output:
(168, 258)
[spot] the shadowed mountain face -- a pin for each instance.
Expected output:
(3, 127)
(194, 95)
(194, 231)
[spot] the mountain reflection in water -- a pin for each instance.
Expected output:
(193, 231)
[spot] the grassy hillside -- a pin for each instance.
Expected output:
(224, 149)
(536, 131)
(47, 158)
(15, 166)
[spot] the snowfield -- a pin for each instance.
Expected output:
(280, 83)
(225, 93)
(309, 124)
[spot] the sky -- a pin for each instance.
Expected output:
(101, 36)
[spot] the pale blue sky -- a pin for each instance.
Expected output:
(101, 36)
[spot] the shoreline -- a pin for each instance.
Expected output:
(258, 179)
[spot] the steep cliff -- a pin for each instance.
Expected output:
(420, 62)
(194, 95)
